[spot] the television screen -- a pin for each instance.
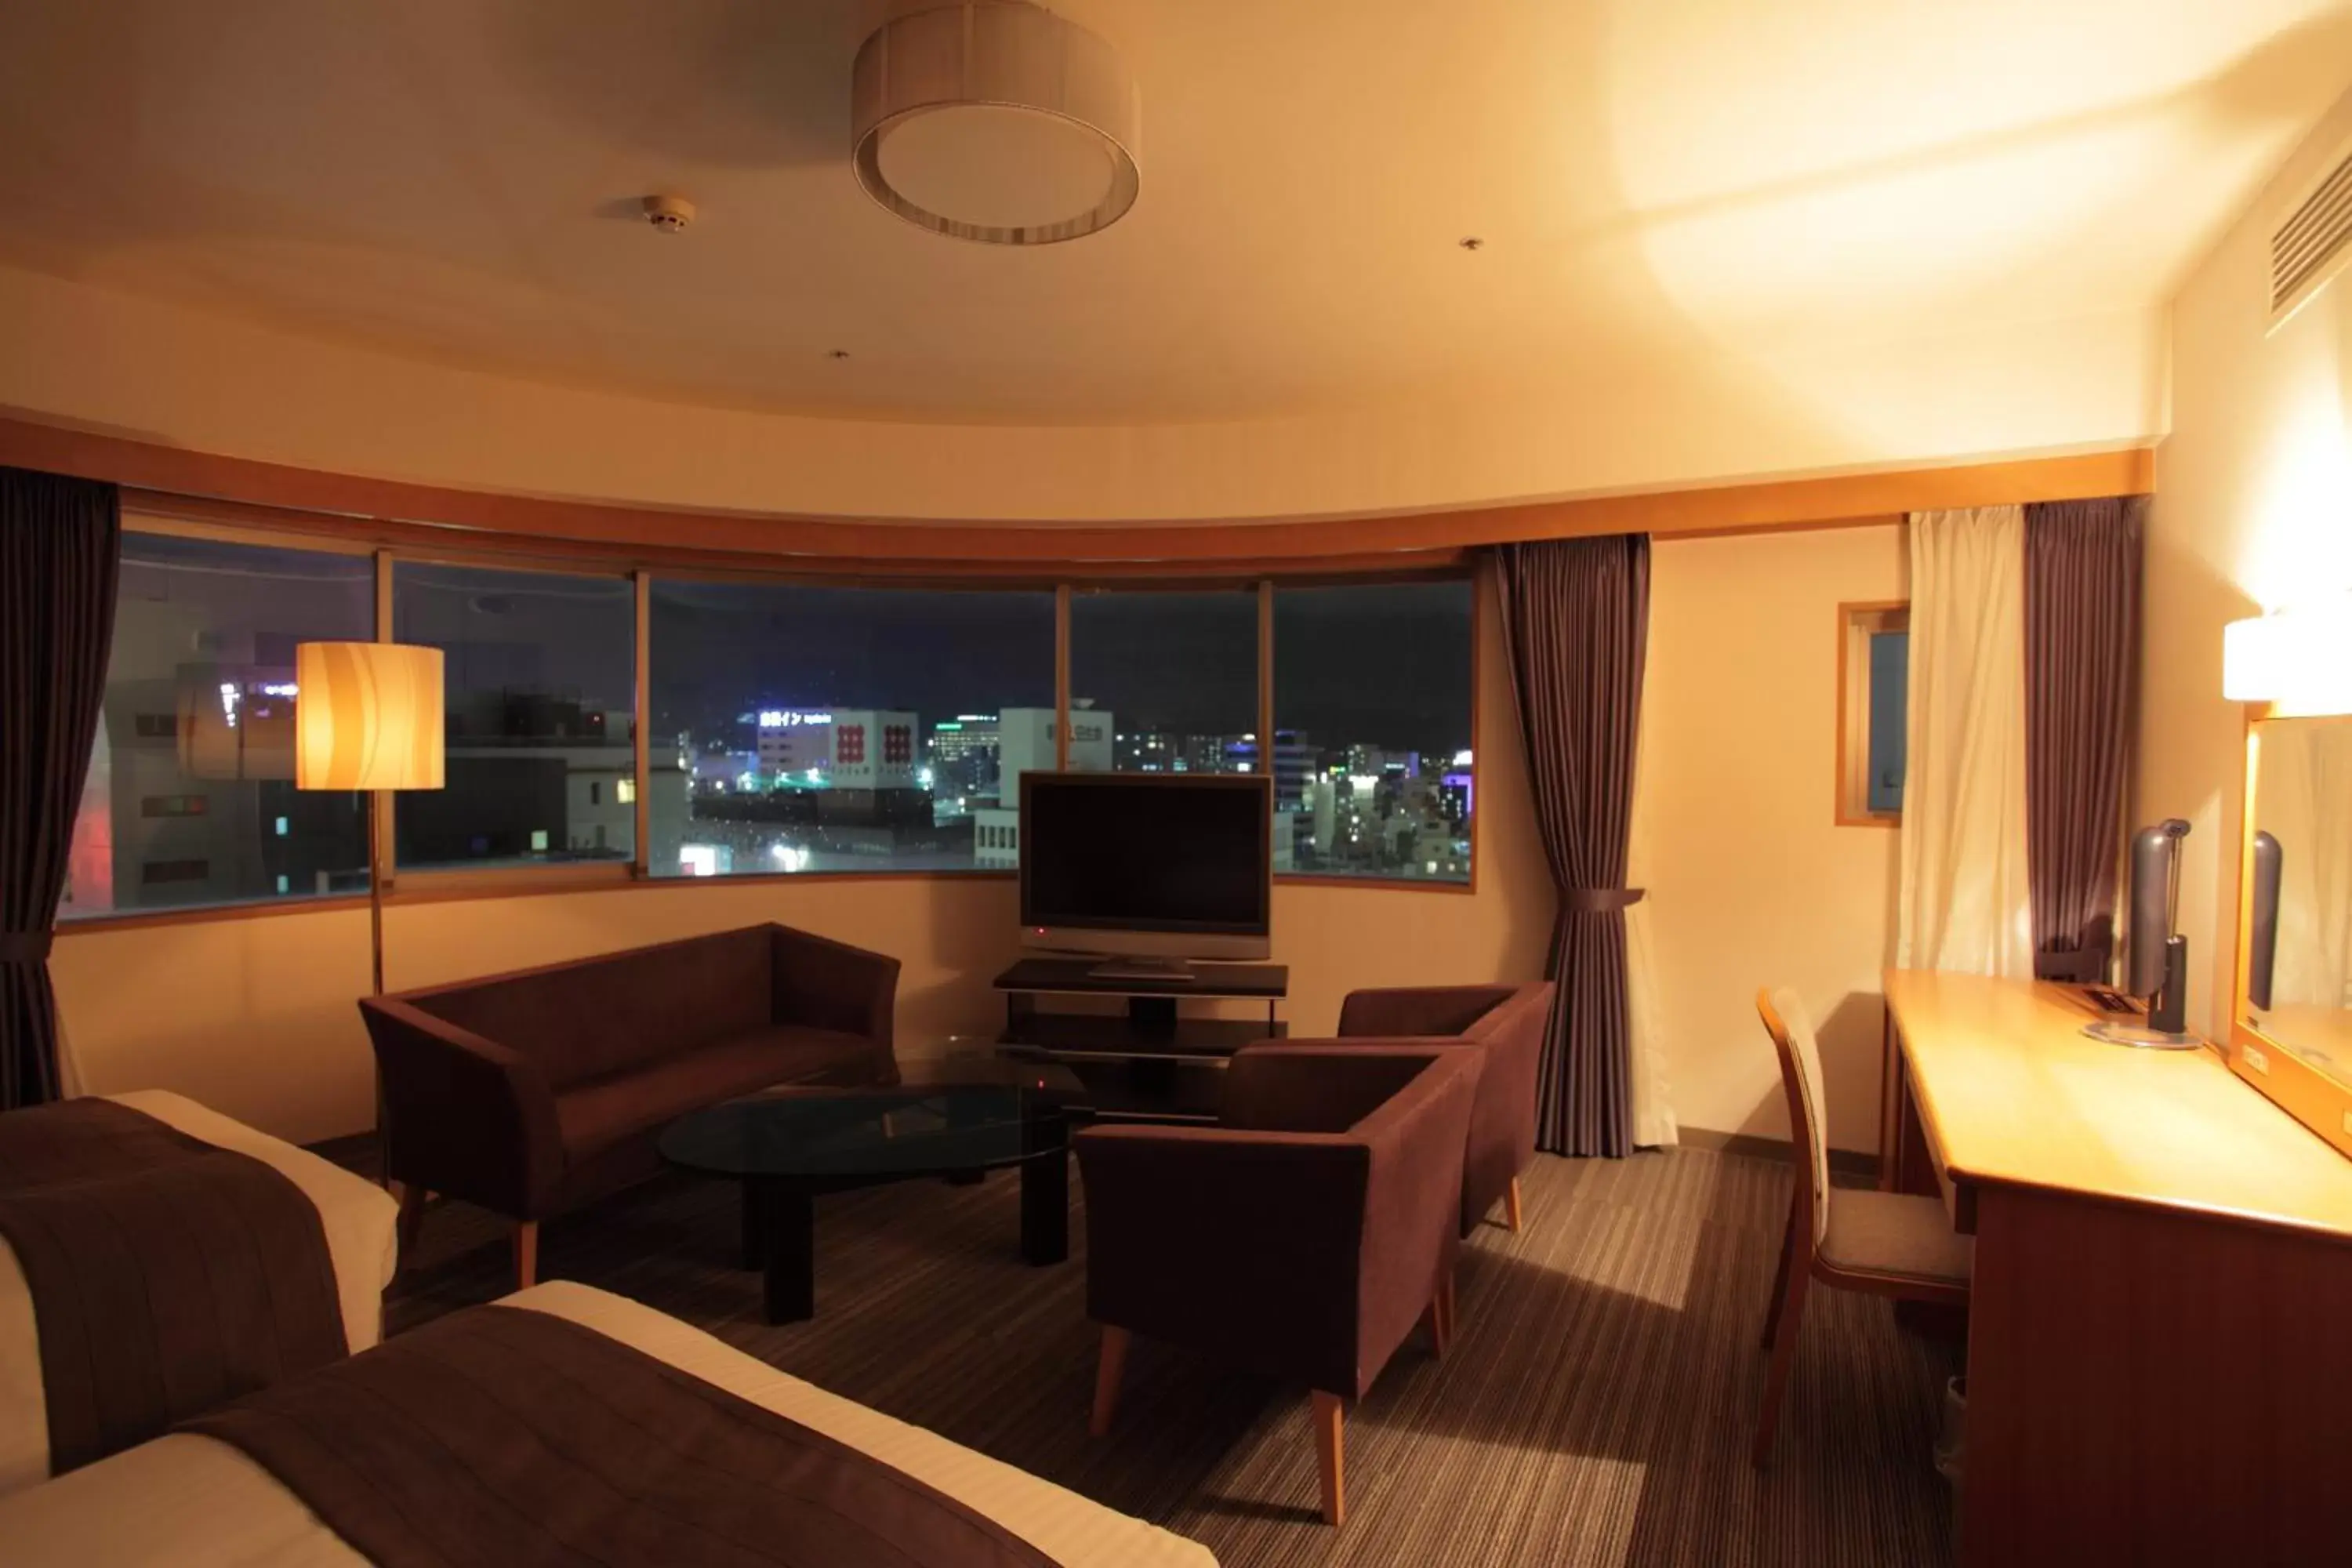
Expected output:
(1147, 852)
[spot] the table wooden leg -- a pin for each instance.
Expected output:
(790, 1214)
(1045, 1195)
(755, 1223)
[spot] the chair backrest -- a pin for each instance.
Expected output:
(1791, 1029)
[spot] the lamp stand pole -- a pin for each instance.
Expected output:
(376, 969)
(375, 901)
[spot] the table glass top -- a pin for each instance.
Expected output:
(960, 1112)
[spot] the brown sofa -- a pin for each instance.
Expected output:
(1302, 1237)
(1506, 1025)
(536, 1092)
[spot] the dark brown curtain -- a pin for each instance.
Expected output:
(2082, 647)
(60, 545)
(1576, 616)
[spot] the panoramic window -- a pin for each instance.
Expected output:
(190, 796)
(1164, 682)
(1372, 703)
(540, 688)
(805, 728)
(1874, 711)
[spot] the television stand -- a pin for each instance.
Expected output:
(1147, 1060)
(1173, 971)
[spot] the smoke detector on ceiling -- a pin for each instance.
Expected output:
(669, 214)
(995, 121)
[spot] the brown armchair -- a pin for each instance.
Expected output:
(1303, 1236)
(537, 1091)
(1506, 1025)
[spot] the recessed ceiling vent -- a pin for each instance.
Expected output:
(996, 122)
(2313, 245)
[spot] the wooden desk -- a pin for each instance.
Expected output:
(2160, 1367)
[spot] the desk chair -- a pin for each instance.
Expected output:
(1888, 1244)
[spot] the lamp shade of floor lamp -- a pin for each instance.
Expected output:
(368, 717)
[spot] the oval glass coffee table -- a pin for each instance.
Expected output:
(953, 1117)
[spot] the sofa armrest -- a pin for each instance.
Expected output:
(1241, 1245)
(464, 1116)
(1418, 1010)
(829, 984)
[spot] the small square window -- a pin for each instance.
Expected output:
(1873, 712)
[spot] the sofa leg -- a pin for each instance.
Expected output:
(526, 1253)
(1446, 1313)
(1511, 1204)
(1330, 1444)
(1440, 1330)
(413, 1199)
(1107, 1372)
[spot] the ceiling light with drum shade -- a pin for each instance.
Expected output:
(995, 121)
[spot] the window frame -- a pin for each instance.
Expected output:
(389, 542)
(1859, 622)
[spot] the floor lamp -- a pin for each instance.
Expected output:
(368, 717)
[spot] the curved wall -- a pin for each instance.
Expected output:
(162, 372)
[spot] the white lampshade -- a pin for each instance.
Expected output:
(2299, 660)
(367, 715)
(995, 121)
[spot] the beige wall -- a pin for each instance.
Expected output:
(255, 1016)
(1752, 882)
(79, 354)
(2254, 512)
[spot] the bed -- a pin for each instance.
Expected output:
(359, 1218)
(189, 1500)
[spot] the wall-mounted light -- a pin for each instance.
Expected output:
(2299, 660)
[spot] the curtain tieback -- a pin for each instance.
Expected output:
(24, 946)
(1600, 900)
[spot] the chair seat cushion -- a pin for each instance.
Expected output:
(1897, 1234)
(599, 1114)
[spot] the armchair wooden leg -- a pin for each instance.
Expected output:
(1446, 1314)
(1784, 1351)
(1781, 1279)
(1440, 1331)
(526, 1253)
(1330, 1444)
(413, 1199)
(1511, 1215)
(1107, 1375)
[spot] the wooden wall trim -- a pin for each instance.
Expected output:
(359, 501)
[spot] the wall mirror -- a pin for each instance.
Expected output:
(2292, 1028)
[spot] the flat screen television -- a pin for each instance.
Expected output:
(1153, 866)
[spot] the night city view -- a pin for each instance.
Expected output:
(796, 728)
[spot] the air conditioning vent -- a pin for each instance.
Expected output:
(2313, 245)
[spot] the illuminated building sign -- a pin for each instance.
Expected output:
(790, 719)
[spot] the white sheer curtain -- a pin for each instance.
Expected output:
(1964, 903)
(1653, 1113)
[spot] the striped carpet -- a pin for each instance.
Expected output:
(1595, 1409)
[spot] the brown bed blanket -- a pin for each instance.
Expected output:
(507, 1436)
(168, 1274)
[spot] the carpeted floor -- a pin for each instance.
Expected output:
(1596, 1407)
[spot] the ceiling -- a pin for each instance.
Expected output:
(1655, 184)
